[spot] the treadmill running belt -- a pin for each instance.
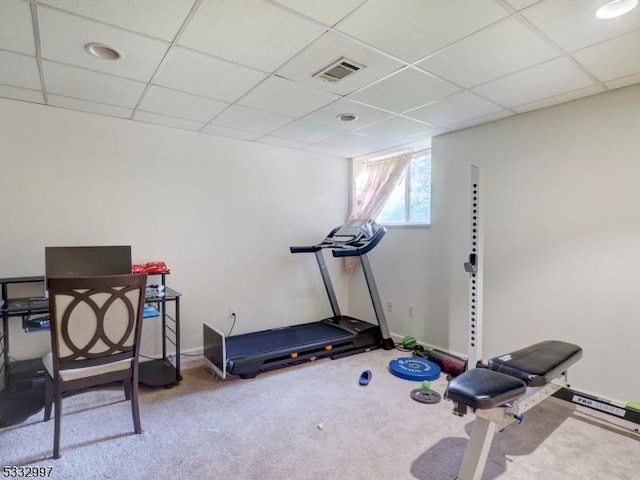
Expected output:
(282, 338)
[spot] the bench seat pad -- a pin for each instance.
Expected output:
(538, 364)
(481, 388)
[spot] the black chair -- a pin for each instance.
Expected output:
(95, 339)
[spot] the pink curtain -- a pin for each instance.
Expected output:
(373, 186)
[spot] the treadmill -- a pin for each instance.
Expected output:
(337, 336)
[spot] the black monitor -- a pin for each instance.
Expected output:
(87, 261)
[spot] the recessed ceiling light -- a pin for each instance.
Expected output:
(347, 117)
(105, 52)
(616, 8)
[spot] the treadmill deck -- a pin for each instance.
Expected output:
(300, 336)
(250, 353)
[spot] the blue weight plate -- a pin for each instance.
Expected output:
(414, 368)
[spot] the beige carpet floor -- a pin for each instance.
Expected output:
(311, 421)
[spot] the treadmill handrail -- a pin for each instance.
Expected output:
(355, 249)
(304, 249)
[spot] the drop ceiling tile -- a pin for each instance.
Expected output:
(90, 107)
(329, 115)
(16, 29)
(303, 131)
(249, 32)
(405, 90)
(396, 128)
(148, 117)
(64, 37)
(285, 97)
(93, 86)
(250, 119)
(624, 81)
(23, 94)
(157, 18)
(415, 29)
(203, 75)
(454, 109)
(193, 88)
(230, 132)
(19, 71)
(548, 79)
(521, 4)
(282, 142)
(328, 12)
(349, 145)
(417, 141)
(500, 49)
(616, 58)
(326, 51)
(557, 99)
(572, 24)
(492, 117)
(174, 103)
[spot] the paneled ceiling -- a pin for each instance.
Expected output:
(246, 68)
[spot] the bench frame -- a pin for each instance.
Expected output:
(489, 420)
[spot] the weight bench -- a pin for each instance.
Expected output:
(500, 394)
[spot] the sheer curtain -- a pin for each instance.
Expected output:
(373, 186)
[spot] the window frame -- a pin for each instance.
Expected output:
(358, 165)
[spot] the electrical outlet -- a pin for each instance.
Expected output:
(232, 311)
(412, 310)
(389, 306)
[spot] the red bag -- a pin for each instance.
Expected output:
(150, 267)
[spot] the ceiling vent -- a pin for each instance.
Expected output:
(339, 70)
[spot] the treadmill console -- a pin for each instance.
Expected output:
(352, 239)
(352, 232)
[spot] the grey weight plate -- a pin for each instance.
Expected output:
(425, 396)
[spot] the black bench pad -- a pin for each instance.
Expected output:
(538, 364)
(481, 388)
(508, 376)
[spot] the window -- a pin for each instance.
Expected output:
(410, 201)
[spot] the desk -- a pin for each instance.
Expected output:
(21, 376)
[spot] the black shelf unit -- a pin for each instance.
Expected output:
(23, 393)
(24, 374)
(161, 372)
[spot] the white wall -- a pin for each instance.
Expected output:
(562, 221)
(220, 212)
(562, 230)
(408, 270)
